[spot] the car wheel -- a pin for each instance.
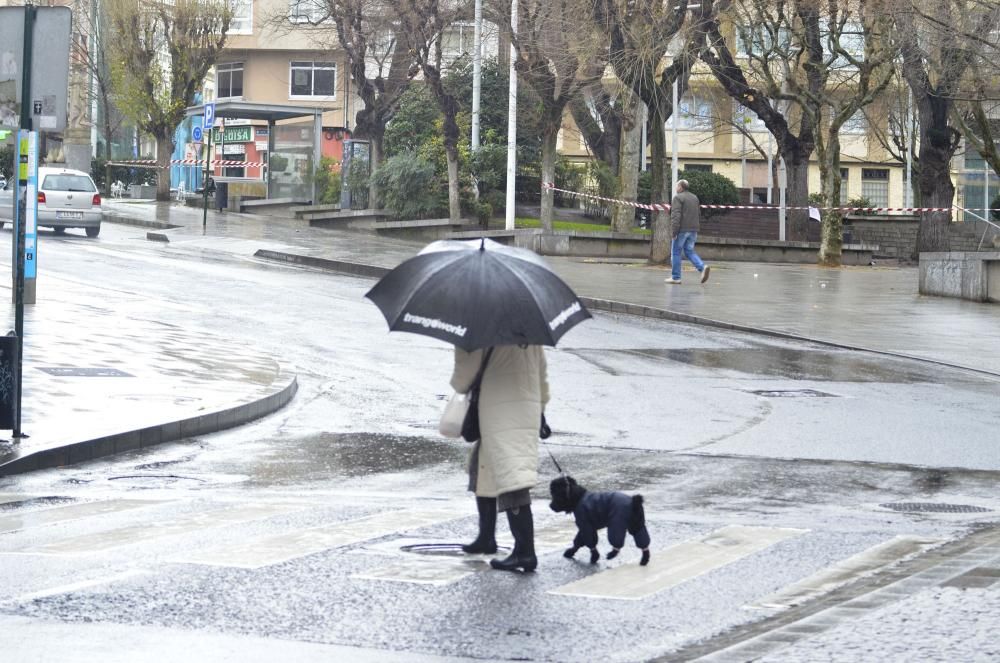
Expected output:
(59, 230)
(93, 232)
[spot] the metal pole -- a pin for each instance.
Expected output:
(782, 185)
(770, 170)
(674, 165)
(204, 184)
(22, 193)
(645, 140)
(986, 190)
(512, 123)
(908, 135)
(477, 74)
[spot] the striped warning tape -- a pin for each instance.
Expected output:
(150, 163)
(664, 207)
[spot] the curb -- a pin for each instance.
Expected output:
(203, 424)
(114, 217)
(610, 306)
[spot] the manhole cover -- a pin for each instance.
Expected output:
(932, 507)
(442, 549)
(81, 372)
(792, 393)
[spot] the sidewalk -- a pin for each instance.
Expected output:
(98, 380)
(876, 308)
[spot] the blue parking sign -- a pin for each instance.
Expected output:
(210, 115)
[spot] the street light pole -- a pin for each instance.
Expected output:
(674, 164)
(477, 74)
(512, 123)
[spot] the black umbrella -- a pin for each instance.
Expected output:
(478, 294)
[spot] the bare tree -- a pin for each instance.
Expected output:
(641, 34)
(161, 53)
(424, 22)
(935, 43)
(555, 55)
(599, 114)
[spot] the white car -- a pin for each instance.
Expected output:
(67, 198)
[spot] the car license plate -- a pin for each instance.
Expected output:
(69, 215)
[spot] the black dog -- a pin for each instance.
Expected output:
(595, 511)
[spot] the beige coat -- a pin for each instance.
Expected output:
(514, 392)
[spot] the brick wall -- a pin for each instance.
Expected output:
(740, 223)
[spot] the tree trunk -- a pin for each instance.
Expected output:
(659, 248)
(937, 148)
(376, 140)
(623, 217)
(549, 135)
(831, 238)
(797, 195)
(107, 145)
(164, 152)
(454, 206)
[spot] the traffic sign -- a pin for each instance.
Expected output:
(209, 114)
(197, 134)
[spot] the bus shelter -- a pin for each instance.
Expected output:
(294, 147)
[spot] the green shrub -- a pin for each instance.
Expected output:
(711, 188)
(410, 188)
(7, 161)
(328, 182)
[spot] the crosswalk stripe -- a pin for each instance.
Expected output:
(124, 536)
(678, 563)
(257, 553)
(827, 579)
(33, 518)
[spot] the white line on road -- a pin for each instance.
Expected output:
(26, 519)
(678, 563)
(827, 579)
(124, 536)
(83, 584)
(257, 553)
(6, 498)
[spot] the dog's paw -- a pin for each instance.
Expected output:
(645, 558)
(569, 552)
(594, 555)
(614, 553)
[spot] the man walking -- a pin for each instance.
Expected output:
(685, 219)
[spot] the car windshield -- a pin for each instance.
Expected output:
(68, 183)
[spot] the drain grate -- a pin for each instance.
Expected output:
(81, 372)
(443, 549)
(932, 507)
(792, 393)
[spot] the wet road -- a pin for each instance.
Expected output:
(762, 462)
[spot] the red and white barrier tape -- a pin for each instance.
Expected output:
(664, 207)
(149, 163)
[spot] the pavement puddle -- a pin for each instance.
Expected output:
(258, 553)
(844, 571)
(678, 563)
(13, 497)
(59, 514)
(124, 536)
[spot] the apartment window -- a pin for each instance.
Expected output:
(698, 167)
(229, 80)
(694, 114)
(307, 11)
(242, 21)
(747, 118)
(875, 186)
(856, 124)
(759, 41)
(459, 39)
(312, 79)
(844, 174)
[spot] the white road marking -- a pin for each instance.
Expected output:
(83, 584)
(827, 579)
(431, 570)
(26, 519)
(14, 497)
(124, 536)
(257, 553)
(678, 563)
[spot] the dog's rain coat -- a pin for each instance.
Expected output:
(595, 511)
(514, 392)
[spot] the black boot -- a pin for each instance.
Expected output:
(486, 541)
(522, 526)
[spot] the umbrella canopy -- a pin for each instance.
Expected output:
(478, 294)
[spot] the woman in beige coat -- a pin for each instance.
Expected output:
(503, 465)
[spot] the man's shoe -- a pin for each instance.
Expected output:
(672, 281)
(704, 273)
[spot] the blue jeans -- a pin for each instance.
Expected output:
(684, 242)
